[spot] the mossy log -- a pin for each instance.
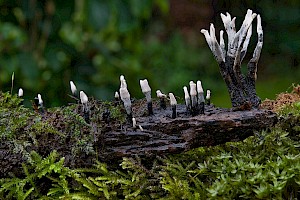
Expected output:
(108, 137)
(163, 135)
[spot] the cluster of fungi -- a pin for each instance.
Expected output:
(176, 128)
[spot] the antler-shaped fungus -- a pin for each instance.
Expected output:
(241, 89)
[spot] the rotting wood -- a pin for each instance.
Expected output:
(163, 135)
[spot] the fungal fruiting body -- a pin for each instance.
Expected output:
(147, 92)
(134, 123)
(241, 87)
(84, 101)
(173, 104)
(193, 93)
(187, 98)
(201, 100)
(73, 88)
(20, 92)
(83, 98)
(125, 97)
(40, 103)
(208, 93)
(162, 98)
(117, 96)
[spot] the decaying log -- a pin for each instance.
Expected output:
(163, 135)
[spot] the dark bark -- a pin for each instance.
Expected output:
(163, 135)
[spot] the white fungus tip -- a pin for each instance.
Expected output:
(83, 98)
(208, 93)
(259, 27)
(40, 99)
(159, 94)
(133, 122)
(20, 92)
(199, 87)
(117, 95)
(141, 128)
(145, 86)
(123, 82)
(186, 93)
(172, 99)
(193, 91)
(73, 87)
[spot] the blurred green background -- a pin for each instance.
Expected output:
(47, 43)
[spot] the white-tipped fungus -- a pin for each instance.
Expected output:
(40, 99)
(200, 92)
(201, 100)
(187, 98)
(147, 92)
(141, 128)
(162, 98)
(20, 92)
(125, 97)
(73, 88)
(83, 98)
(172, 99)
(133, 123)
(173, 103)
(193, 93)
(159, 94)
(117, 96)
(208, 95)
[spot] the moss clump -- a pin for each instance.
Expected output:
(64, 130)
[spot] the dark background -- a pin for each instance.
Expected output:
(48, 43)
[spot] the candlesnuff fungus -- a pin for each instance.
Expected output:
(201, 99)
(193, 93)
(241, 88)
(173, 104)
(147, 92)
(187, 98)
(162, 98)
(40, 103)
(117, 96)
(133, 123)
(40, 99)
(84, 101)
(125, 97)
(20, 92)
(73, 88)
(208, 97)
